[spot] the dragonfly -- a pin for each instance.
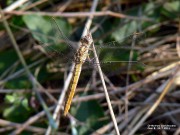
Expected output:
(79, 59)
(79, 56)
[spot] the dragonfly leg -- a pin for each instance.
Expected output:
(90, 49)
(88, 58)
(91, 60)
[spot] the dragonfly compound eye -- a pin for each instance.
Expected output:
(86, 40)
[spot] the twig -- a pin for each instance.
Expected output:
(30, 121)
(154, 76)
(62, 8)
(164, 72)
(18, 73)
(106, 93)
(15, 44)
(8, 70)
(34, 4)
(5, 129)
(138, 116)
(177, 131)
(178, 40)
(107, 127)
(127, 76)
(30, 76)
(150, 111)
(79, 14)
(16, 125)
(15, 5)
(159, 43)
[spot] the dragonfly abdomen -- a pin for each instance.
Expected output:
(72, 88)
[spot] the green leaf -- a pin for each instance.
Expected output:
(17, 21)
(171, 9)
(124, 31)
(10, 98)
(128, 27)
(89, 113)
(44, 29)
(51, 35)
(6, 59)
(19, 110)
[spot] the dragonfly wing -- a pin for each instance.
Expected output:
(59, 34)
(54, 42)
(114, 55)
(125, 43)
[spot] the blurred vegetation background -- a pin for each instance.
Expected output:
(26, 90)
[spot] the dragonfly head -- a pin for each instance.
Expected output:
(87, 39)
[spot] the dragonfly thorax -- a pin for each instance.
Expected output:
(87, 39)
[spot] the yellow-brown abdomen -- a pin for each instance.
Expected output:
(72, 88)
